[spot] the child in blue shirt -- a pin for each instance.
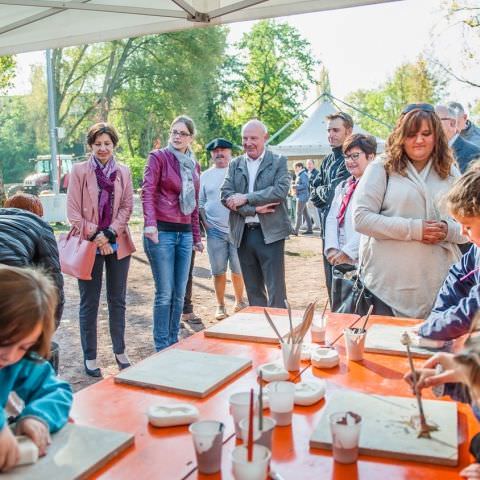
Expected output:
(459, 297)
(28, 299)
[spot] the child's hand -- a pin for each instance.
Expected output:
(472, 472)
(37, 432)
(9, 452)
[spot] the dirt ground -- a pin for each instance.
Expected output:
(304, 277)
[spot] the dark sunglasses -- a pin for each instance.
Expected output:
(424, 107)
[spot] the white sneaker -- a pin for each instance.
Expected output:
(220, 313)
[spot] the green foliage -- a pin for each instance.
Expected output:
(17, 139)
(270, 75)
(7, 71)
(411, 82)
(136, 165)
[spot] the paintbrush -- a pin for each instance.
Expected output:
(331, 344)
(305, 325)
(270, 321)
(250, 429)
(424, 427)
(289, 309)
(325, 308)
(370, 309)
(260, 402)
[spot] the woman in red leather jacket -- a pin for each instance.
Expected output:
(170, 189)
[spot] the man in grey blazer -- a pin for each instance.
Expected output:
(255, 190)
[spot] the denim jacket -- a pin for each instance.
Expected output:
(458, 300)
(46, 398)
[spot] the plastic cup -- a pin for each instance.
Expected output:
(240, 407)
(291, 354)
(257, 469)
(345, 428)
(355, 343)
(318, 330)
(280, 397)
(263, 437)
(207, 440)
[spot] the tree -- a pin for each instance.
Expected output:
(411, 82)
(7, 73)
(271, 75)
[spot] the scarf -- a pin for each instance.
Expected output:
(106, 175)
(351, 186)
(186, 162)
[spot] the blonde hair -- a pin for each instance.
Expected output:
(464, 197)
(409, 124)
(27, 297)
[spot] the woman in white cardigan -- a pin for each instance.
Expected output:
(341, 239)
(408, 241)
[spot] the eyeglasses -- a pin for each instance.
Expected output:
(424, 107)
(174, 133)
(353, 156)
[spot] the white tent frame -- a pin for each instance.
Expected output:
(127, 19)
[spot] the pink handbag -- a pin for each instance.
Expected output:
(77, 255)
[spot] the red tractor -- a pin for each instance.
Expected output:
(40, 181)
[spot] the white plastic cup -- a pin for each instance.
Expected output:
(345, 436)
(240, 407)
(318, 330)
(281, 396)
(257, 469)
(292, 355)
(208, 440)
(355, 343)
(263, 437)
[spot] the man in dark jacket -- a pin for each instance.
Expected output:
(468, 130)
(465, 152)
(332, 172)
(26, 240)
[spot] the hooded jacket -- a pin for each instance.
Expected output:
(28, 241)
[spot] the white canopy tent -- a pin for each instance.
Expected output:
(310, 140)
(27, 25)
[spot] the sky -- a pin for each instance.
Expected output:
(361, 47)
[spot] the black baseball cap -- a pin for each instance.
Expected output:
(219, 143)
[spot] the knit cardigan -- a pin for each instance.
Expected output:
(396, 266)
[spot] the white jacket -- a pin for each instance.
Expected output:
(397, 267)
(344, 238)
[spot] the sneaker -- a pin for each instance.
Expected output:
(307, 232)
(240, 306)
(220, 313)
(191, 318)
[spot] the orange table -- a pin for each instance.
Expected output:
(168, 453)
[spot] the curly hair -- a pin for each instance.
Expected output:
(464, 197)
(409, 124)
(25, 201)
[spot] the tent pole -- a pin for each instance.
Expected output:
(52, 130)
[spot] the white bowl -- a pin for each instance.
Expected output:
(169, 415)
(308, 393)
(273, 372)
(324, 357)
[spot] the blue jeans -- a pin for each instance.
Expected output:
(170, 262)
(220, 252)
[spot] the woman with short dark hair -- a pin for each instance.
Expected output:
(171, 185)
(409, 240)
(99, 205)
(341, 240)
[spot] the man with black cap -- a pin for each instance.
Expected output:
(221, 250)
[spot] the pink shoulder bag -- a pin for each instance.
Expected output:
(77, 255)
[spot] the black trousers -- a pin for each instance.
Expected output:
(263, 269)
(187, 300)
(117, 272)
(327, 268)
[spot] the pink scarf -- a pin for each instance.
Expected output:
(351, 186)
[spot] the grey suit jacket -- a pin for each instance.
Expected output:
(271, 185)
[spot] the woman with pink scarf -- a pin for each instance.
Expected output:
(99, 205)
